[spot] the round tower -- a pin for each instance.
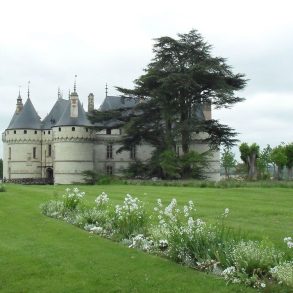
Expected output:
(22, 143)
(73, 143)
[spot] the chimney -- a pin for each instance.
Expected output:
(91, 103)
(74, 105)
(207, 110)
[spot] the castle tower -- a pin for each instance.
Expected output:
(91, 102)
(22, 143)
(73, 142)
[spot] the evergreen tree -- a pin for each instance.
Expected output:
(181, 80)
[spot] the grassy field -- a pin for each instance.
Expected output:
(39, 254)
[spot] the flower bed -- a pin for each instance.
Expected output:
(177, 233)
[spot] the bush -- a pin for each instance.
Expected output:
(255, 257)
(130, 218)
(283, 273)
(2, 188)
(72, 198)
(90, 177)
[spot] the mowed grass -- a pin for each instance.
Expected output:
(40, 254)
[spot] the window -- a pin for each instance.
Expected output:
(109, 170)
(73, 128)
(110, 151)
(59, 128)
(108, 131)
(49, 132)
(120, 131)
(25, 131)
(36, 132)
(34, 152)
(9, 153)
(14, 131)
(87, 130)
(44, 132)
(49, 150)
(133, 152)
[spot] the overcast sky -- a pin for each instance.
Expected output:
(48, 42)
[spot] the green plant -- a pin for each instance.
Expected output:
(130, 218)
(253, 257)
(90, 176)
(72, 198)
(2, 187)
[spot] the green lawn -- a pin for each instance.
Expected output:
(39, 254)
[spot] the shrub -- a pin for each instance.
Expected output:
(54, 209)
(190, 240)
(130, 218)
(283, 273)
(90, 176)
(72, 198)
(2, 187)
(254, 257)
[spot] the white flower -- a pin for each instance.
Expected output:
(287, 239)
(263, 285)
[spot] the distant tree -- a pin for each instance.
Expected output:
(263, 162)
(228, 161)
(280, 159)
(289, 155)
(1, 168)
(249, 155)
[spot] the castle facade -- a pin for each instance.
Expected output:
(65, 143)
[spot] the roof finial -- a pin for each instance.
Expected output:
(28, 89)
(19, 91)
(74, 89)
(69, 94)
(59, 94)
(106, 90)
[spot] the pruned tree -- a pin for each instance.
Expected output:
(280, 159)
(249, 155)
(264, 161)
(289, 163)
(228, 161)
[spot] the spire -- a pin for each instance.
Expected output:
(28, 89)
(74, 88)
(59, 94)
(19, 104)
(106, 90)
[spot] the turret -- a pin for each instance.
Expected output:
(74, 102)
(91, 103)
(19, 104)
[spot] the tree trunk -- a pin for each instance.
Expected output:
(252, 166)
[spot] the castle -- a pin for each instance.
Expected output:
(65, 143)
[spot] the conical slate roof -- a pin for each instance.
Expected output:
(115, 103)
(55, 114)
(28, 118)
(81, 120)
(15, 116)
